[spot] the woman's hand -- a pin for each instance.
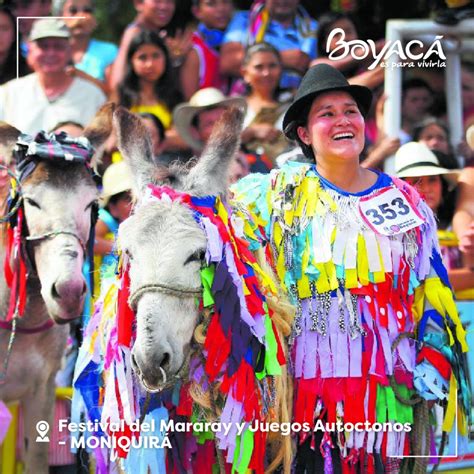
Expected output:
(466, 240)
(388, 146)
(179, 46)
(260, 131)
(465, 150)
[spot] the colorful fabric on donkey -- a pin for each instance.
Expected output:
(237, 361)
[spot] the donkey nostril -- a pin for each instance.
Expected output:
(84, 288)
(54, 292)
(134, 361)
(165, 362)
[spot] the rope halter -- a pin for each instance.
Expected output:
(176, 290)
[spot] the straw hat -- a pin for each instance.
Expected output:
(117, 179)
(204, 99)
(470, 137)
(415, 159)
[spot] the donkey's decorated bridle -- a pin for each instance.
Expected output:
(28, 152)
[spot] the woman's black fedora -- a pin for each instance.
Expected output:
(321, 78)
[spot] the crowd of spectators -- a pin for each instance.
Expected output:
(167, 63)
(180, 71)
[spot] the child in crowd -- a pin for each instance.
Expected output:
(156, 131)
(159, 16)
(201, 66)
(116, 200)
(157, 136)
(148, 82)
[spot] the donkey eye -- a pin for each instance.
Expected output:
(91, 204)
(32, 203)
(197, 256)
(128, 254)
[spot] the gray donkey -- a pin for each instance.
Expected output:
(165, 245)
(58, 199)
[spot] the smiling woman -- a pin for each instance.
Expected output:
(356, 252)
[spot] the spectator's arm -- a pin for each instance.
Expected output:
(118, 68)
(370, 79)
(231, 58)
(385, 148)
(102, 246)
(461, 278)
(463, 220)
(173, 141)
(73, 71)
(340, 64)
(295, 59)
(189, 74)
(264, 132)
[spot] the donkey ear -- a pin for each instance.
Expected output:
(8, 137)
(135, 146)
(210, 175)
(101, 126)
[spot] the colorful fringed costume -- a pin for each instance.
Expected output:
(237, 362)
(376, 327)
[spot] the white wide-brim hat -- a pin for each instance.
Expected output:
(415, 159)
(470, 137)
(117, 179)
(208, 98)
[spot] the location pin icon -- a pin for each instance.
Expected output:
(42, 427)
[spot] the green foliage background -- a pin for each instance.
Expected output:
(113, 16)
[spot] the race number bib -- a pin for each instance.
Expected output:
(389, 212)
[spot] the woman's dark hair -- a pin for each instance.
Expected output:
(307, 149)
(156, 122)
(325, 25)
(445, 212)
(302, 122)
(260, 48)
(447, 207)
(164, 88)
(8, 69)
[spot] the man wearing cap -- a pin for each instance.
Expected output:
(50, 95)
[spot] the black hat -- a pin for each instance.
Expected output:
(322, 78)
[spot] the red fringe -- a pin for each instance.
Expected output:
(185, 407)
(16, 276)
(125, 315)
(217, 346)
